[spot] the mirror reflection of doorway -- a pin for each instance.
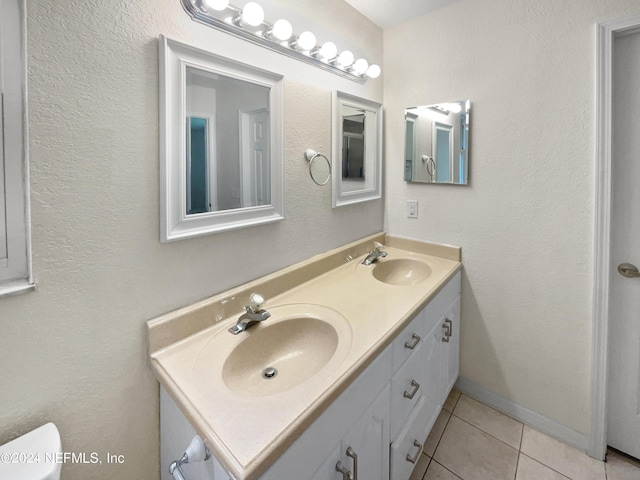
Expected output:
(353, 146)
(198, 169)
(443, 149)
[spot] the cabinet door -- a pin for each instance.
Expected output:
(434, 358)
(451, 324)
(365, 449)
(327, 470)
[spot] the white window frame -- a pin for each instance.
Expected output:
(15, 257)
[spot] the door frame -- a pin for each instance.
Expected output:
(606, 32)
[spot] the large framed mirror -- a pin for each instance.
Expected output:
(357, 146)
(221, 143)
(437, 143)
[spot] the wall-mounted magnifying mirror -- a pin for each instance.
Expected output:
(357, 134)
(221, 143)
(437, 143)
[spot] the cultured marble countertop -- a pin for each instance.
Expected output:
(247, 434)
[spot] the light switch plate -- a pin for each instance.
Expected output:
(412, 209)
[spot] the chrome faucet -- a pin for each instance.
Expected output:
(255, 313)
(376, 253)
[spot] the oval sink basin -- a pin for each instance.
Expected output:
(291, 347)
(401, 271)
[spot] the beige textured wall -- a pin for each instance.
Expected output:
(525, 222)
(73, 352)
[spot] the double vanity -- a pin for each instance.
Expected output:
(338, 372)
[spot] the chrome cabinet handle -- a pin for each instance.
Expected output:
(411, 459)
(450, 323)
(628, 270)
(346, 474)
(416, 387)
(351, 453)
(447, 332)
(416, 340)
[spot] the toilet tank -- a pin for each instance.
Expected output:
(33, 456)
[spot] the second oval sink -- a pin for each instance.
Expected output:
(401, 271)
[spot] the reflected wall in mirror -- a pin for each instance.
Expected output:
(221, 143)
(437, 143)
(357, 134)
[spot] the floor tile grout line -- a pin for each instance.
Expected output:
(441, 435)
(487, 433)
(451, 472)
(492, 408)
(544, 464)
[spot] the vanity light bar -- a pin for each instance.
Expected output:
(249, 24)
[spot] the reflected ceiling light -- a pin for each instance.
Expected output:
(218, 5)
(345, 58)
(360, 66)
(453, 107)
(374, 71)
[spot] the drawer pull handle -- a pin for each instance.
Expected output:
(416, 340)
(346, 474)
(450, 326)
(411, 459)
(351, 453)
(416, 387)
(447, 331)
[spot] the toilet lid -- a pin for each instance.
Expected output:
(33, 456)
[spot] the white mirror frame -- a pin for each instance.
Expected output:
(175, 224)
(340, 197)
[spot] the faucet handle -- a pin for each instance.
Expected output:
(378, 247)
(256, 302)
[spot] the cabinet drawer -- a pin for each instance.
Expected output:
(406, 388)
(408, 446)
(408, 341)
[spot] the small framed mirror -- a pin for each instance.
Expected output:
(221, 143)
(437, 143)
(357, 146)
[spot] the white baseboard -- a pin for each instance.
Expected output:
(536, 421)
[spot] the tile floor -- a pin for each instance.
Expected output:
(471, 441)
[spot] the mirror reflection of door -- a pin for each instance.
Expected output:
(443, 149)
(410, 145)
(353, 147)
(254, 158)
(200, 165)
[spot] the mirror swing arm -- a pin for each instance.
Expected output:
(176, 59)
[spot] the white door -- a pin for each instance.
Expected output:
(623, 406)
(255, 158)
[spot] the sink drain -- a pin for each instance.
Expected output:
(269, 372)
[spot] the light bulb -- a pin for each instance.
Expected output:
(306, 41)
(252, 14)
(361, 66)
(282, 29)
(345, 58)
(373, 71)
(328, 50)
(217, 4)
